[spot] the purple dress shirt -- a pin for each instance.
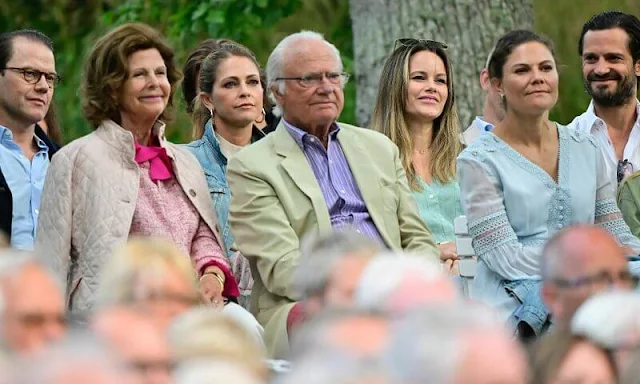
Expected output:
(341, 193)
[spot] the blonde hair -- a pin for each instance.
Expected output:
(206, 333)
(139, 257)
(389, 116)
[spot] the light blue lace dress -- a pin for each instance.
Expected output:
(513, 206)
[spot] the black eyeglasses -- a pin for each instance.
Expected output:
(32, 76)
(602, 277)
(625, 168)
(411, 42)
(315, 79)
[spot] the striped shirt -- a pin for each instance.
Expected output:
(339, 189)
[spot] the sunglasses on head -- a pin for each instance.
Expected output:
(411, 42)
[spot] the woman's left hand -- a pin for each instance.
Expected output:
(211, 288)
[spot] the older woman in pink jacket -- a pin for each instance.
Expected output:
(125, 179)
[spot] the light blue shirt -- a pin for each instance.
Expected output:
(513, 207)
(25, 180)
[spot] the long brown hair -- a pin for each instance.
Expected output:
(547, 356)
(389, 115)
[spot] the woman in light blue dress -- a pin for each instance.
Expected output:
(415, 108)
(529, 177)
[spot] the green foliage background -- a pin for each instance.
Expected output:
(259, 24)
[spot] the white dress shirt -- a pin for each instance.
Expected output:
(588, 122)
(478, 126)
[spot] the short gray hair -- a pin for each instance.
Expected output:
(320, 254)
(373, 291)
(275, 63)
(313, 336)
(428, 345)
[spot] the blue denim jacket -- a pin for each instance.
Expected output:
(532, 309)
(214, 163)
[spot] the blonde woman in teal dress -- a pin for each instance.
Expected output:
(415, 108)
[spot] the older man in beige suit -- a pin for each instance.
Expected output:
(313, 175)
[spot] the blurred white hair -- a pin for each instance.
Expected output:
(387, 271)
(207, 319)
(208, 371)
(608, 318)
(275, 63)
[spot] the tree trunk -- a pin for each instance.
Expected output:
(469, 27)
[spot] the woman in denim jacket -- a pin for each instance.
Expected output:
(229, 102)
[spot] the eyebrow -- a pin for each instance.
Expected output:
(425, 73)
(145, 68)
(608, 53)
(253, 75)
(529, 65)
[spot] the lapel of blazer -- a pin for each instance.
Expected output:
(295, 164)
(366, 176)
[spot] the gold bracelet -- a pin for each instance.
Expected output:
(218, 277)
(220, 280)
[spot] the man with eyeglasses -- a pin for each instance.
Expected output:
(313, 175)
(576, 264)
(31, 304)
(609, 48)
(27, 80)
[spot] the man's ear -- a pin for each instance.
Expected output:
(636, 68)
(277, 94)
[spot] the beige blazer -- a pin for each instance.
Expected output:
(276, 200)
(89, 199)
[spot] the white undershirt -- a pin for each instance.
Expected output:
(228, 149)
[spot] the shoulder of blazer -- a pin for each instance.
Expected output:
(366, 133)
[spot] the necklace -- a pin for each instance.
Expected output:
(421, 151)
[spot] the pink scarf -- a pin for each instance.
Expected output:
(160, 167)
